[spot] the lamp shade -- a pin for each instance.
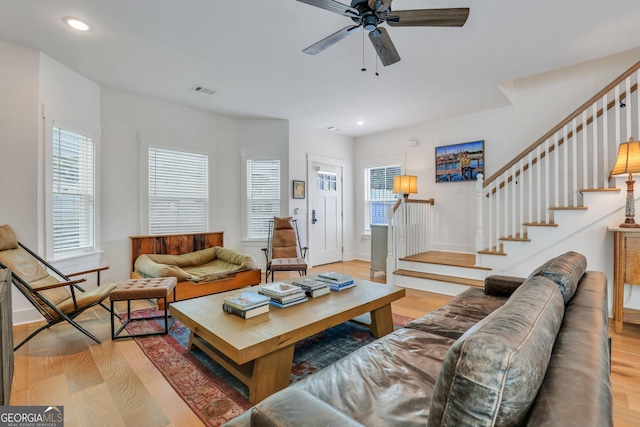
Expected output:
(405, 184)
(628, 160)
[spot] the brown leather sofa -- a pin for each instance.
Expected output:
(523, 352)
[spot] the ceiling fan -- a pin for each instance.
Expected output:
(369, 14)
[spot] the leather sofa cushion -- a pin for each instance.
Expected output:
(577, 388)
(386, 383)
(458, 315)
(491, 375)
(565, 270)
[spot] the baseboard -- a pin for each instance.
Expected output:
(27, 315)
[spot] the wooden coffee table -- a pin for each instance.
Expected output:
(259, 351)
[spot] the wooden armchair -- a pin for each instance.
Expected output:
(283, 251)
(57, 300)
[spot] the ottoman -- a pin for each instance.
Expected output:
(135, 289)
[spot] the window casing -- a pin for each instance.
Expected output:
(178, 191)
(72, 193)
(263, 195)
(379, 194)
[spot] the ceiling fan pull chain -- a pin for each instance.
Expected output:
(363, 68)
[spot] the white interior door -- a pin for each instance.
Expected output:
(325, 225)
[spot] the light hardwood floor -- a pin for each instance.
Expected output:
(114, 384)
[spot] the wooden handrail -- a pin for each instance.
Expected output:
(426, 201)
(568, 119)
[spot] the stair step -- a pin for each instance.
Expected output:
(441, 278)
(599, 190)
(540, 224)
(453, 259)
(516, 238)
(492, 252)
(569, 208)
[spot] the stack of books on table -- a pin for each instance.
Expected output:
(246, 304)
(337, 281)
(313, 288)
(283, 294)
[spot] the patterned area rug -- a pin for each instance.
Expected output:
(214, 394)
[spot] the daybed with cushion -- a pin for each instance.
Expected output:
(538, 357)
(198, 261)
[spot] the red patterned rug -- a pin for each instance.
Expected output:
(210, 391)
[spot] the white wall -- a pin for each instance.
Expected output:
(129, 124)
(19, 140)
(258, 138)
(19, 147)
(304, 140)
(539, 103)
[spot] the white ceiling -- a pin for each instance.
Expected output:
(250, 52)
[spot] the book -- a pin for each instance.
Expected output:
(342, 287)
(335, 278)
(288, 298)
(318, 292)
(310, 284)
(279, 289)
(246, 300)
(290, 303)
(246, 314)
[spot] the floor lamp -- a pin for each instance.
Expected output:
(628, 162)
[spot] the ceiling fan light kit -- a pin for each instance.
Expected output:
(370, 14)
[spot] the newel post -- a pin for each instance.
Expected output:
(391, 244)
(479, 219)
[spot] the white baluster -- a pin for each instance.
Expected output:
(479, 208)
(605, 140)
(595, 144)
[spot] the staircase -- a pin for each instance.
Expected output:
(542, 203)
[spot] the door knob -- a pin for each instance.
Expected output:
(313, 217)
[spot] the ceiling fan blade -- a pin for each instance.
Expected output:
(379, 5)
(333, 6)
(454, 17)
(384, 46)
(316, 48)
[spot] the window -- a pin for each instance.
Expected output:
(379, 193)
(73, 187)
(327, 180)
(178, 191)
(263, 196)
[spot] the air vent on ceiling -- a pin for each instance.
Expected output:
(203, 89)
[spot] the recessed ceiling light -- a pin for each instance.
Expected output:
(333, 128)
(359, 122)
(77, 24)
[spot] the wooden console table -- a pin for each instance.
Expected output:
(626, 270)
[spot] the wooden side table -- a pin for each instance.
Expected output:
(626, 270)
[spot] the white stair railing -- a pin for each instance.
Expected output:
(409, 232)
(575, 155)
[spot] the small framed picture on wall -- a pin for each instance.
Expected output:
(298, 189)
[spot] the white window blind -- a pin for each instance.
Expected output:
(178, 191)
(263, 196)
(73, 192)
(379, 193)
